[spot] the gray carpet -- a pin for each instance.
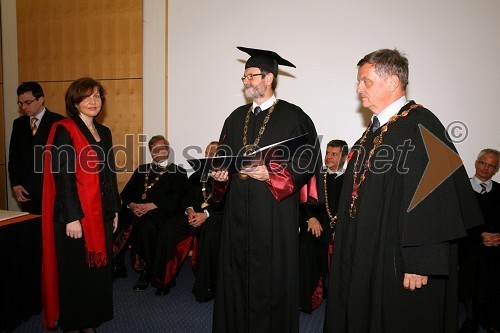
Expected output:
(177, 312)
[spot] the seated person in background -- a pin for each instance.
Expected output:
(317, 225)
(479, 273)
(152, 195)
(175, 240)
(205, 216)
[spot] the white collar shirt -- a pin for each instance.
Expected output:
(266, 105)
(391, 110)
(475, 182)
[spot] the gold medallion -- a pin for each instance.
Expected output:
(204, 205)
(143, 196)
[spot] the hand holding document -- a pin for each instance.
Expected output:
(278, 152)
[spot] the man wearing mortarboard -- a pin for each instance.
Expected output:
(257, 287)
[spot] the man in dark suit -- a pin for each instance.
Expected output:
(29, 136)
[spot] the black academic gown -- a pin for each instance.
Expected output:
(480, 265)
(85, 294)
(373, 251)
(313, 251)
(25, 157)
(257, 289)
(207, 244)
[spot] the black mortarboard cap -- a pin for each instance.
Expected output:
(264, 59)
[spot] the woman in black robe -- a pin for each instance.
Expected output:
(80, 209)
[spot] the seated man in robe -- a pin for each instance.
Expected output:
(205, 216)
(152, 196)
(317, 227)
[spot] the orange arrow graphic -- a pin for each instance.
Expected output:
(443, 162)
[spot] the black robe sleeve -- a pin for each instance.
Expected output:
(67, 204)
(132, 188)
(443, 215)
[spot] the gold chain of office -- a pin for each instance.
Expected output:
(206, 197)
(251, 148)
(146, 179)
(376, 143)
(333, 219)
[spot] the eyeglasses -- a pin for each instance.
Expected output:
(158, 149)
(92, 98)
(27, 103)
(493, 167)
(249, 77)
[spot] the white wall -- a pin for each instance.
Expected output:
(154, 53)
(452, 46)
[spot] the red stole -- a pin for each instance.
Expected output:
(89, 193)
(281, 185)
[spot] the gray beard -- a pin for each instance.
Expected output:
(254, 93)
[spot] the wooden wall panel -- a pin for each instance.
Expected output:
(166, 71)
(3, 172)
(2, 118)
(1, 65)
(3, 186)
(2, 129)
(60, 40)
(54, 95)
(123, 115)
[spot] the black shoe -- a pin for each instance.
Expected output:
(205, 296)
(119, 272)
(143, 281)
(162, 291)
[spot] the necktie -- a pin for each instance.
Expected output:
(376, 124)
(256, 110)
(483, 188)
(33, 125)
